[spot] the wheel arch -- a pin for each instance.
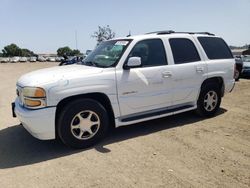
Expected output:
(216, 80)
(99, 97)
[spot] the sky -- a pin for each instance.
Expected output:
(45, 25)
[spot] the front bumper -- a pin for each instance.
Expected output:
(39, 123)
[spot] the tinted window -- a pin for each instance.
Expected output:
(151, 52)
(215, 48)
(183, 51)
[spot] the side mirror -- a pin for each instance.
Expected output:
(133, 62)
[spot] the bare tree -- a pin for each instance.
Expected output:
(103, 33)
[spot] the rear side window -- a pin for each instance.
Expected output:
(215, 48)
(184, 51)
(151, 52)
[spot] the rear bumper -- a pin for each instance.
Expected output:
(229, 86)
(39, 123)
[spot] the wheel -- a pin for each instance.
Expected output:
(209, 100)
(82, 123)
(237, 75)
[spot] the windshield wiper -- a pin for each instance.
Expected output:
(92, 63)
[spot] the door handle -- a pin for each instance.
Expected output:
(166, 74)
(199, 69)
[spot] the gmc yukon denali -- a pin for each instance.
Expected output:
(126, 81)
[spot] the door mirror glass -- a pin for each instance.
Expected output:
(134, 62)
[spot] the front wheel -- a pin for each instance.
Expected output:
(209, 100)
(82, 123)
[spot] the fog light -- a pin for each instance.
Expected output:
(32, 103)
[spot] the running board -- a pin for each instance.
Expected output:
(155, 113)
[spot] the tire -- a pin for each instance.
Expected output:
(82, 123)
(209, 100)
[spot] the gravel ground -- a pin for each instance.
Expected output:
(178, 151)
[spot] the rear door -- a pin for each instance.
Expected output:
(219, 57)
(189, 70)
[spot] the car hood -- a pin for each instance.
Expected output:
(56, 74)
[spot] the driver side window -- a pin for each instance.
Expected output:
(151, 52)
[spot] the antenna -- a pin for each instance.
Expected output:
(129, 34)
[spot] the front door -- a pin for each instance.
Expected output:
(147, 87)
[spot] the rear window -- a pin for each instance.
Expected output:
(215, 48)
(183, 51)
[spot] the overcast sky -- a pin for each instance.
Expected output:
(45, 25)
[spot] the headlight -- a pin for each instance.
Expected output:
(34, 92)
(34, 97)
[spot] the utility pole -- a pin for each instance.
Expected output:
(76, 39)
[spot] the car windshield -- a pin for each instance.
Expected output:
(107, 54)
(246, 58)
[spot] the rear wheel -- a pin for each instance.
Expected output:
(209, 100)
(82, 123)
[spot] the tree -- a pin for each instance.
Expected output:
(27, 53)
(64, 51)
(12, 50)
(103, 33)
(67, 51)
(75, 52)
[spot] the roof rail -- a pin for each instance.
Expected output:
(162, 32)
(192, 33)
(171, 32)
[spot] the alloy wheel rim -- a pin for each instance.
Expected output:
(85, 125)
(210, 101)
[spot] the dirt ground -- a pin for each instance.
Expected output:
(179, 151)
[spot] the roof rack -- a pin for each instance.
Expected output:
(192, 33)
(161, 32)
(171, 32)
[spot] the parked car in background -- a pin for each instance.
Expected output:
(14, 59)
(41, 59)
(246, 65)
(23, 59)
(88, 52)
(51, 59)
(239, 65)
(5, 60)
(59, 59)
(33, 59)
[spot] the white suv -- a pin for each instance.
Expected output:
(125, 81)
